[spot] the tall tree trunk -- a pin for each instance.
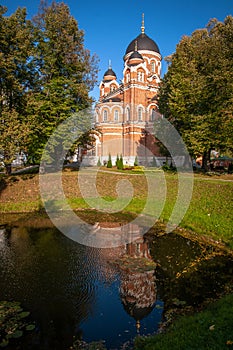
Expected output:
(8, 169)
(206, 160)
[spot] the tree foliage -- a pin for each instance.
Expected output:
(196, 94)
(120, 163)
(46, 74)
(67, 70)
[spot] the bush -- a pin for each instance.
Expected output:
(109, 163)
(117, 161)
(99, 162)
(120, 163)
(154, 163)
(136, 161)
(167, 167)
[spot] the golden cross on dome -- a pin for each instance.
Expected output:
(143, 24)
(136, 46)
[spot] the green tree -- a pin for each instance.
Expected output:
(120, 163)
(45, 76)
(117, 160)
(136, 161)
(14, 137)
(99, 162)
(17, 80)
(67, 72)
(196, 94)
(109, 163)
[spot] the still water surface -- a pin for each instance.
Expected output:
(74, 290)
(78, 291)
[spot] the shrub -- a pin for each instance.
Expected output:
(99, 162)
(109, 164)
(136, 161)
(117, 161)
(154, 163)
(120, 163)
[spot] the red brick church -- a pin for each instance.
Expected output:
(125, 112)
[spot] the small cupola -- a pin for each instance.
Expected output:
(135, 58)
(109, 75)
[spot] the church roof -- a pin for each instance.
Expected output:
(110, 72)
(137, 55)
(143, 43)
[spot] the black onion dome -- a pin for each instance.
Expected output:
(136, 55)
(143, 43)
(110, 72)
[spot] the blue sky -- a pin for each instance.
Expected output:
(111, 25)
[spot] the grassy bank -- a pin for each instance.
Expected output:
(210, 329)
(209, 213)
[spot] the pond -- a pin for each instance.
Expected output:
(106, 294)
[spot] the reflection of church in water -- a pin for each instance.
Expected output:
(138, 290)
(125, 112)
(138, 294)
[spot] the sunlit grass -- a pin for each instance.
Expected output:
(209, 213)
(209, 329)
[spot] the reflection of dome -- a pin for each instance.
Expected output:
(137, 313)
(138, 294)
(143, 43)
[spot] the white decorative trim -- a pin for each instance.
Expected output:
(104, 106)
(144, 52)
(116, 106)
(136, 86)
(153, 104)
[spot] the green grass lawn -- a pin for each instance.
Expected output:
(209, 213)
(210, 329)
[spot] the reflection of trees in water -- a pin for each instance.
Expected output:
(52, 277)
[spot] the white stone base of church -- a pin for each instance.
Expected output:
(144, 161)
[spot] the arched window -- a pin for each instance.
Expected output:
(127, 76)
(140, 76)
(153, 67)
(105, 116)
(112, 88)
(128, 114)
(140, 114)
(116, 115)
(153, 114)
